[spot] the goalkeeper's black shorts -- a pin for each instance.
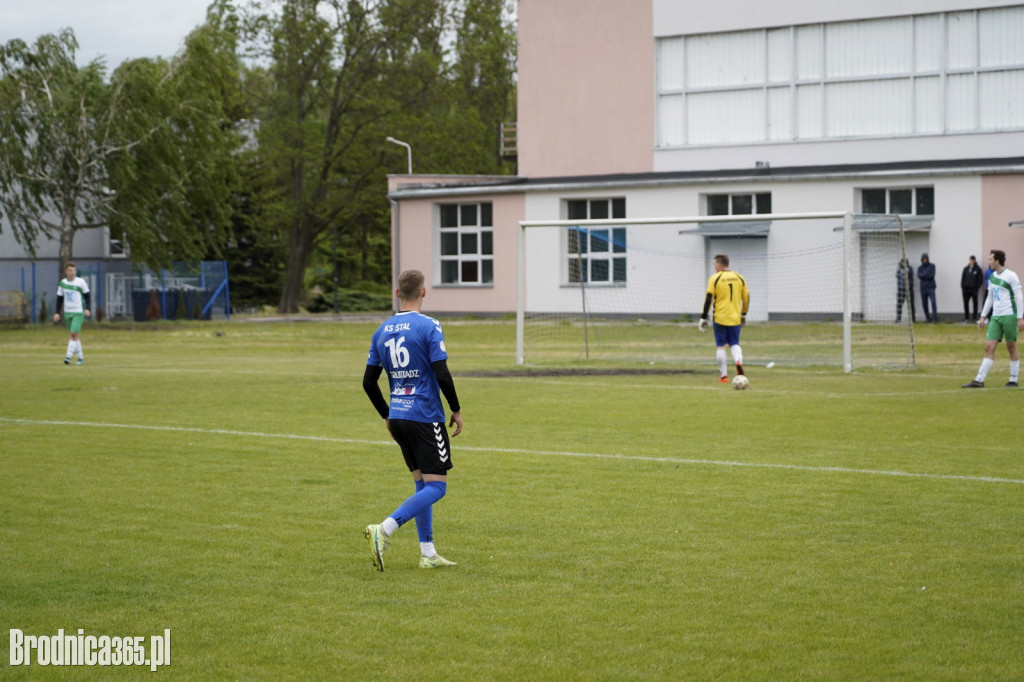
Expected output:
(425, 445)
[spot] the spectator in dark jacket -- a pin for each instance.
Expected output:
(905, 289)
(926, 277)
(970, 284)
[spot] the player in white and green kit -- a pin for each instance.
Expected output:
(1005, 301)
(73, 301)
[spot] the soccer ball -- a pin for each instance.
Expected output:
(740, 382)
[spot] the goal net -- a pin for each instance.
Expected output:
(824, 290)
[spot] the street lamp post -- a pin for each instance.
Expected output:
(408, 149)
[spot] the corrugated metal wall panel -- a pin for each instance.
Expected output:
(869, 108)
(1001, 96)
(961, 103)
(780, 55)
(725, 59)
(961, 44)
(810, 57)
(725, 117)
(809, 110)
(928, 105)
(670, 121)
(780, 114)
(1001, 33)
(869, 48)
(670, 64)
(927, 74)
(928, 43)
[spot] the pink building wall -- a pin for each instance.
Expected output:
(586, 101)
(414, 246)
(1002, 202)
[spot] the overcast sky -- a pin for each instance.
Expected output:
(117, 29)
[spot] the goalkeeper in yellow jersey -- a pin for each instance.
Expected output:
(727, 291)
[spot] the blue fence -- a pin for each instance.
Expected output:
(199, 291)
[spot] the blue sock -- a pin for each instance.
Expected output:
(425, 519)
(421, 501)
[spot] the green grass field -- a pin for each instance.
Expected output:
(818, 526)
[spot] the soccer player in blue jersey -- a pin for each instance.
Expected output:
(409, 346)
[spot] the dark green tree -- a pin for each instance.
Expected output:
(487, 67)
(256, 256)
(484, 82)
(148, 153)
(328, 81)
(339, 72)
(456, 130)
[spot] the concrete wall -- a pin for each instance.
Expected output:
(668, 270)
(416, 246)
(88, 244)
(1002, 202)
(826, 152)
(586, 87)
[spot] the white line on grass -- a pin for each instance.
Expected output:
(518, 451)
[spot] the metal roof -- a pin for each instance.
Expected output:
(866, 222)
(751, 228)
(515, 184)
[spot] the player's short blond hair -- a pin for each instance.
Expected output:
(410, 284)
(722, 260)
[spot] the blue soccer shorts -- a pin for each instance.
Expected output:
(726, 335)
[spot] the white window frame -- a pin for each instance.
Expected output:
(756, 203)
(888, 199)
(606, 246)
(115, 248)
(463, 257)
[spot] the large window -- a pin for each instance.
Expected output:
(928, 74)
(738, 204)
(595, 255)
(466, 244)
(901, 201)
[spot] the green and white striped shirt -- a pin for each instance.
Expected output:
(1004, 295)
(73, 293)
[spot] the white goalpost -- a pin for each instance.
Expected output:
(824, 289)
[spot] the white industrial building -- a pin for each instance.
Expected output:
(645, 109)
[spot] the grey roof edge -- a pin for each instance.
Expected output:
(751, 228)
(516, 184)
(884, 222)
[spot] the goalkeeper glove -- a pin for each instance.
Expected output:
(703, 324)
